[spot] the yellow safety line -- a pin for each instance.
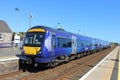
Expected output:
(119, 66)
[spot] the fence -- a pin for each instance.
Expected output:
(10, 45)
(6, 45)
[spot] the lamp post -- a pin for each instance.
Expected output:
(17, 10)
(30, 18)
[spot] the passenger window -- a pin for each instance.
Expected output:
(64, 42)
(53, 41)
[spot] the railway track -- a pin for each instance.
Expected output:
(60, 72)
(13, 75)
(81, 66)
(10, 74)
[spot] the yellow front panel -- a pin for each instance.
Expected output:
(36, 30)
(31, 50)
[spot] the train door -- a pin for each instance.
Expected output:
(93, 44)
(74, 44)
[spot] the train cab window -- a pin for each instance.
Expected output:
(34, 39)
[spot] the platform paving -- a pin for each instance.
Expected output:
(9, 52)
(107, 69)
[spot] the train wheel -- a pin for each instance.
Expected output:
(52, 64)
(84, 54)
(67, 59)
(78, 56)
(88, 53)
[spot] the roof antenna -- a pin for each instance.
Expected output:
(59, 27)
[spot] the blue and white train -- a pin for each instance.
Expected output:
(52, 46)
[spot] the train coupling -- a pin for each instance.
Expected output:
(29, 61)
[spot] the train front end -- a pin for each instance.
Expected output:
(33, 46)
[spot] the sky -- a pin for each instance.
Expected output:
(95, 18)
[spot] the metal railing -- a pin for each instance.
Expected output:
(10, 46)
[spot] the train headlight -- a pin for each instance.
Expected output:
(38, 52)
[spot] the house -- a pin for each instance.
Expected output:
(5, 33)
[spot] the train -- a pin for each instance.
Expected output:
(45, 45)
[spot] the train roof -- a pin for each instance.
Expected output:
(52, 29)
(59, 30)
(63, 31)
(43, 27)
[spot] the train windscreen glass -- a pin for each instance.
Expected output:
(34, 39)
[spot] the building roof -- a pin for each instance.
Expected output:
(4, 27)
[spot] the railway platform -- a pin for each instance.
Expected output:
(9, 54)
(9, 59)
(107, 69)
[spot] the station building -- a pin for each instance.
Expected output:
(5, 32)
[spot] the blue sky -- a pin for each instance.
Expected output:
(94, 18)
